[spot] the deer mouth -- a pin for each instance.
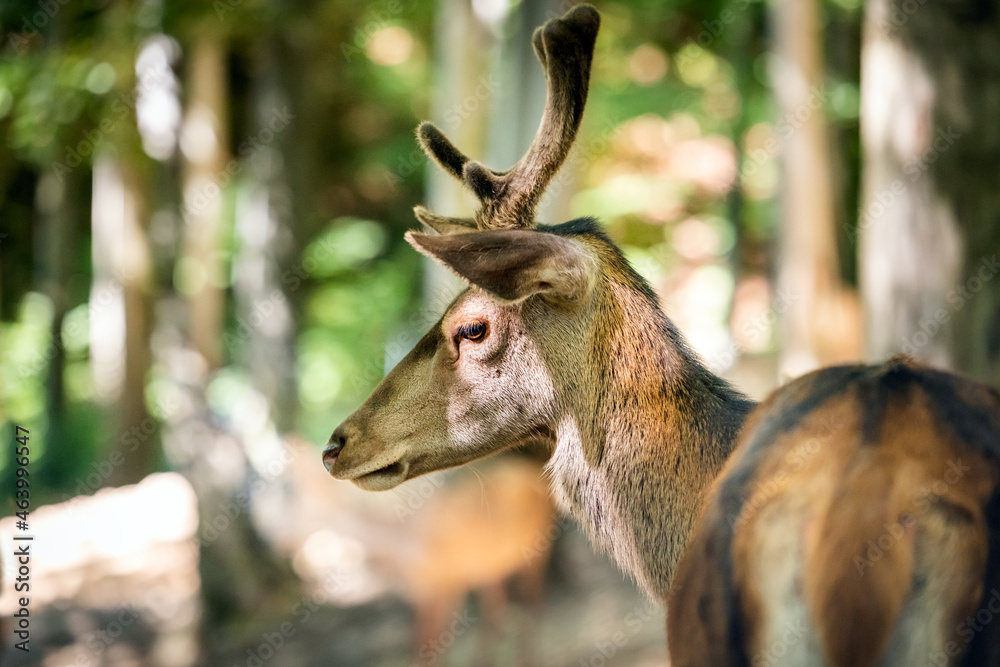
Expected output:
(382, 479)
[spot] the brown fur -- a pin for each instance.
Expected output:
(857, 507)
(700, 601)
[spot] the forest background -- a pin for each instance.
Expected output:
(202, 272)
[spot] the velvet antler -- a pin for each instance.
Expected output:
(565, 47)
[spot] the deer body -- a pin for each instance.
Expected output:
(558, 340)
(858, 523)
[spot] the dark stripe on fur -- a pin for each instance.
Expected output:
(984, 649)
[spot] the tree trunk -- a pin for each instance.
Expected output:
(119, 309)
(267, 243)
(930, 219)
(203, 142)
(462, 94)
(55, 198)
(122, 290)
(820, 324)
(241, 575)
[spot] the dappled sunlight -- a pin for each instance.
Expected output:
(668, 173)
(699, 304)
(709, 163)
(107, 301)
(754, 318)
(695, 239)
(390, 46)
(674, 151)
(647, 64)
(122, 560)
(144, 531)
(762, 146)
(157, 106)
(697, 66)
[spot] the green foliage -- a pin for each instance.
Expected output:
(344, 246)
(24, 360)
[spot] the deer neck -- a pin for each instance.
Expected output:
(634, 452)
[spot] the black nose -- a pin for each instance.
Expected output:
(332, 449)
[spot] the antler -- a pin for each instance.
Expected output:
(565, 47)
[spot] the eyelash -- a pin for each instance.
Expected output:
(474, 332)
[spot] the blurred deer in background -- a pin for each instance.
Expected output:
(479, 535)
(478, 532)
(559, 339)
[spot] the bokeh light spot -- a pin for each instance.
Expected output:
(390, 46)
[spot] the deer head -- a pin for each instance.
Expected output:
(501, 365)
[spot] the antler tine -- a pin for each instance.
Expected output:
(538, 46)
(565, 47)
(437, 146)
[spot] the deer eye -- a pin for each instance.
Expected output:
(475, 331)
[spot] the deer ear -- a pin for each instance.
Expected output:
(513, 264)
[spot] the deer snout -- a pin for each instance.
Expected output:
(355, 455)
(334, 447)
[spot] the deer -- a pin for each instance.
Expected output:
(857, 505)
(485, 532)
